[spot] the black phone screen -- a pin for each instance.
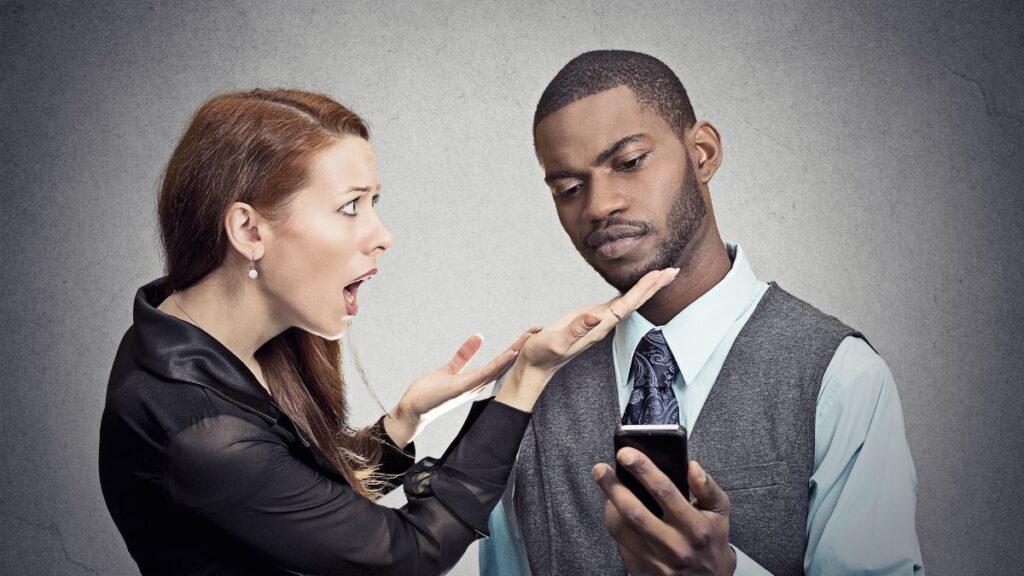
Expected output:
(666, 447)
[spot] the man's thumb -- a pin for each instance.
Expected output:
(709, 496)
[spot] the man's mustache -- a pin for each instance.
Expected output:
(616, 230)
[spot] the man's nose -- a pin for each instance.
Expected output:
(604, 200)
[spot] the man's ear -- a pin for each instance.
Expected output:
(706, 149)
(242, 224)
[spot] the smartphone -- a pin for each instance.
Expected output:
(665, 445)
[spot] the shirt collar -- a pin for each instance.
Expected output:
(177, 350)
(694, 333)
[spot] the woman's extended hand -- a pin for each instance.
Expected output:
(438, 391)
(551, 348)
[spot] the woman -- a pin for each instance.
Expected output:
(225, 445)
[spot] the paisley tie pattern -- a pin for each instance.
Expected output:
(653, 369)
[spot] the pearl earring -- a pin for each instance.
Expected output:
(253, 273)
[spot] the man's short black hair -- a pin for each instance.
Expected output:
(654, 85)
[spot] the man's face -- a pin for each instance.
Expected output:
(622, 183)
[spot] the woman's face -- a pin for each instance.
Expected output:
(327, 243)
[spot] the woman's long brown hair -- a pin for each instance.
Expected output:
(256, 147)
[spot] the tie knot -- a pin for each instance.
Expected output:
(652, 401)
(653, 363)
(654, 347)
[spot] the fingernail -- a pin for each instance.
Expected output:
(628, 459)
(703, 474)
(597, 473)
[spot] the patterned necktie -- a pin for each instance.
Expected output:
(653, 369)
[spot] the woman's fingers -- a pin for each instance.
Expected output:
(477, 379)
(618, 308)
(465, 353)
(493, 369)
(642, 291)
(521, 341)
(579, 328)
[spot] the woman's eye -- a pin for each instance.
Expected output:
(349, 208)
(634, 163)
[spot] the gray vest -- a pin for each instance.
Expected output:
(755, 436)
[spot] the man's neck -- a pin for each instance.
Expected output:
(702, 265)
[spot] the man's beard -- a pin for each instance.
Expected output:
(684, 217)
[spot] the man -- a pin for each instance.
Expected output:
(792, 414)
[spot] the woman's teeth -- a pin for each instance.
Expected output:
(351, 306)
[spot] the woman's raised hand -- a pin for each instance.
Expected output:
(538, 354)
(441, 390)
(552, 347)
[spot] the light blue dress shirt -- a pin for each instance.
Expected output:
(863, 491)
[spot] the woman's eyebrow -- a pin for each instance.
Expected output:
(361, 189)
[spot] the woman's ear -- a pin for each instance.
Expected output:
(242, 224)
(706, 149)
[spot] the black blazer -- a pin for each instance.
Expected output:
(204, 474)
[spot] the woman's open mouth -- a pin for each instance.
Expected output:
(350, 291)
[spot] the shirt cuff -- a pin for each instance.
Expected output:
(470, 477)
(394, 461)
(745, 565)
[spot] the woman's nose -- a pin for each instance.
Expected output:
(381, 238)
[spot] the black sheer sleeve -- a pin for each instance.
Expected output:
(394, 461)
(242, 478)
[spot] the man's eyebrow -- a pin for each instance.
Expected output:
(560, 174)
(601, 158)
(614, 148)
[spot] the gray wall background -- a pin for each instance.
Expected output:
(873, 164)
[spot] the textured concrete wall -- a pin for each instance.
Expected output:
(873, 164)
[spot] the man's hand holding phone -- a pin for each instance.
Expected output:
(688, 539)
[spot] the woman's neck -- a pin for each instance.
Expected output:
(234, 313)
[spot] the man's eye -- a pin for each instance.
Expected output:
(633, 163)
(349, 208)
(568, 192)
